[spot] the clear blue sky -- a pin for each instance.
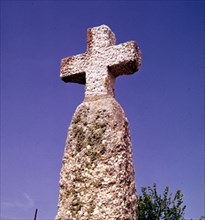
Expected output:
(164, 101)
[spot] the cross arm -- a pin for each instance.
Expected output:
(124, 58)
(73, 69)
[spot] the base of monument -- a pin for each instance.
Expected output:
(97, 175)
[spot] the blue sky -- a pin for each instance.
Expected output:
(164, 101)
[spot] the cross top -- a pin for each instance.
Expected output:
(102, 62)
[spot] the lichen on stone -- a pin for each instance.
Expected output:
(97, 175)
(92, 135)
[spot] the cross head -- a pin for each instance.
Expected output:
(103, 61)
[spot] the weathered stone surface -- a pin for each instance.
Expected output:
(102, 62)
(97, 175)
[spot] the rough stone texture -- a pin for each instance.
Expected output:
(97, 175)
(102, 62)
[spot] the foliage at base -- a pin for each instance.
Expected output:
(153, 206)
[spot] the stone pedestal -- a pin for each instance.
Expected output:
(97, 175)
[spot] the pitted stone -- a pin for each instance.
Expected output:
(97, 175)
(102, 62)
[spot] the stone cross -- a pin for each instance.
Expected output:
(97, 175)
(102, 63)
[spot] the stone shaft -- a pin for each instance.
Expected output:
(97, 176)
